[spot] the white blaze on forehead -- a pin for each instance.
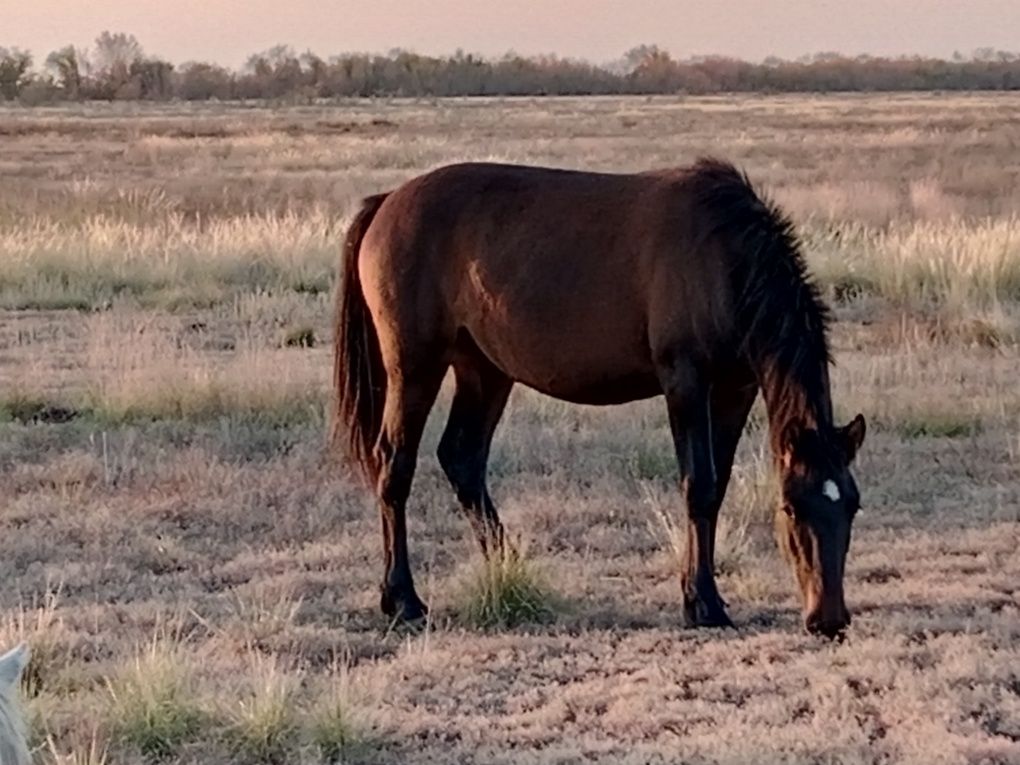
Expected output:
(830, 490)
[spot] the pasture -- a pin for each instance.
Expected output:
(198, 578)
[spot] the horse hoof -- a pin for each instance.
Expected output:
(697, 613)
(404, 608)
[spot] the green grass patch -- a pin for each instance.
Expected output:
(333, 725)
(262, 724)
(942, 425)
(153, 702)
(507, 590)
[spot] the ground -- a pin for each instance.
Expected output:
(176, 538)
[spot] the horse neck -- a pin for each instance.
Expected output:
(796, 395)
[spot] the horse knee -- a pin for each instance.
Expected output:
(462, 471)
(702, 499)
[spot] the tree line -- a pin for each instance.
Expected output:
(117, 68)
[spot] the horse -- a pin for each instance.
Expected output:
(597, 289)
(13, 746)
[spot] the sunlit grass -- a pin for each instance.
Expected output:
(954, 265)
(165, 261)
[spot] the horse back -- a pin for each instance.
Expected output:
(570, 282)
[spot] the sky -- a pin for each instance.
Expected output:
(227, 31)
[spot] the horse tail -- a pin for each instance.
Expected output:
(359, 378)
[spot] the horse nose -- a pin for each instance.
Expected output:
(831, 626)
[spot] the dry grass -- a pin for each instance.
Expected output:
(161, 455)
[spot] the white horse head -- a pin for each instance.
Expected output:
(13, 747)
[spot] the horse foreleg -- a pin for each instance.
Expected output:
(688, 399)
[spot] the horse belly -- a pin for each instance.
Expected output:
(606, 392)
(580, 366)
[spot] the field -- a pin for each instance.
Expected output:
(198, 577)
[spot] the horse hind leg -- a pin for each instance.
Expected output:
(478, 403)
(409, 398)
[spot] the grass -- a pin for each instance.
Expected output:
(265, 613)
(938, 425)
(504, 591)
(171, 264)
(261, 725)
(161, 452)
(334, 728)
(299, 337)
(165, 261)
(90, 750)
(40, 625)
(153, 704)
(191, 229)
(958, 266)
(744, 520)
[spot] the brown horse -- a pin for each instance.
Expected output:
(597, 289)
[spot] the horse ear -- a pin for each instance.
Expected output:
(12, 664)
(853, 437)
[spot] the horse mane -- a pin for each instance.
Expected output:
(782, 321)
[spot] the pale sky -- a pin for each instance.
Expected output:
(226, 31)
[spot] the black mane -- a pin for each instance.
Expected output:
(782, 320)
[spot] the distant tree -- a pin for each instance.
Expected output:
(638, 55)
(274, 73)
(38, 90)
(65, 64)
(117, 67)
(15, 71)
(656, 72)
(152, 79)
(111, 60)
(198, 81)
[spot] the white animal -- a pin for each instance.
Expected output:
(13, 747)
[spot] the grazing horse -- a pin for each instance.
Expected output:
(13, 748)
(597, 289)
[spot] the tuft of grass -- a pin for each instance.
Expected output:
(333, 727)
(507, 590)
(261, 725)
(153, 701)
